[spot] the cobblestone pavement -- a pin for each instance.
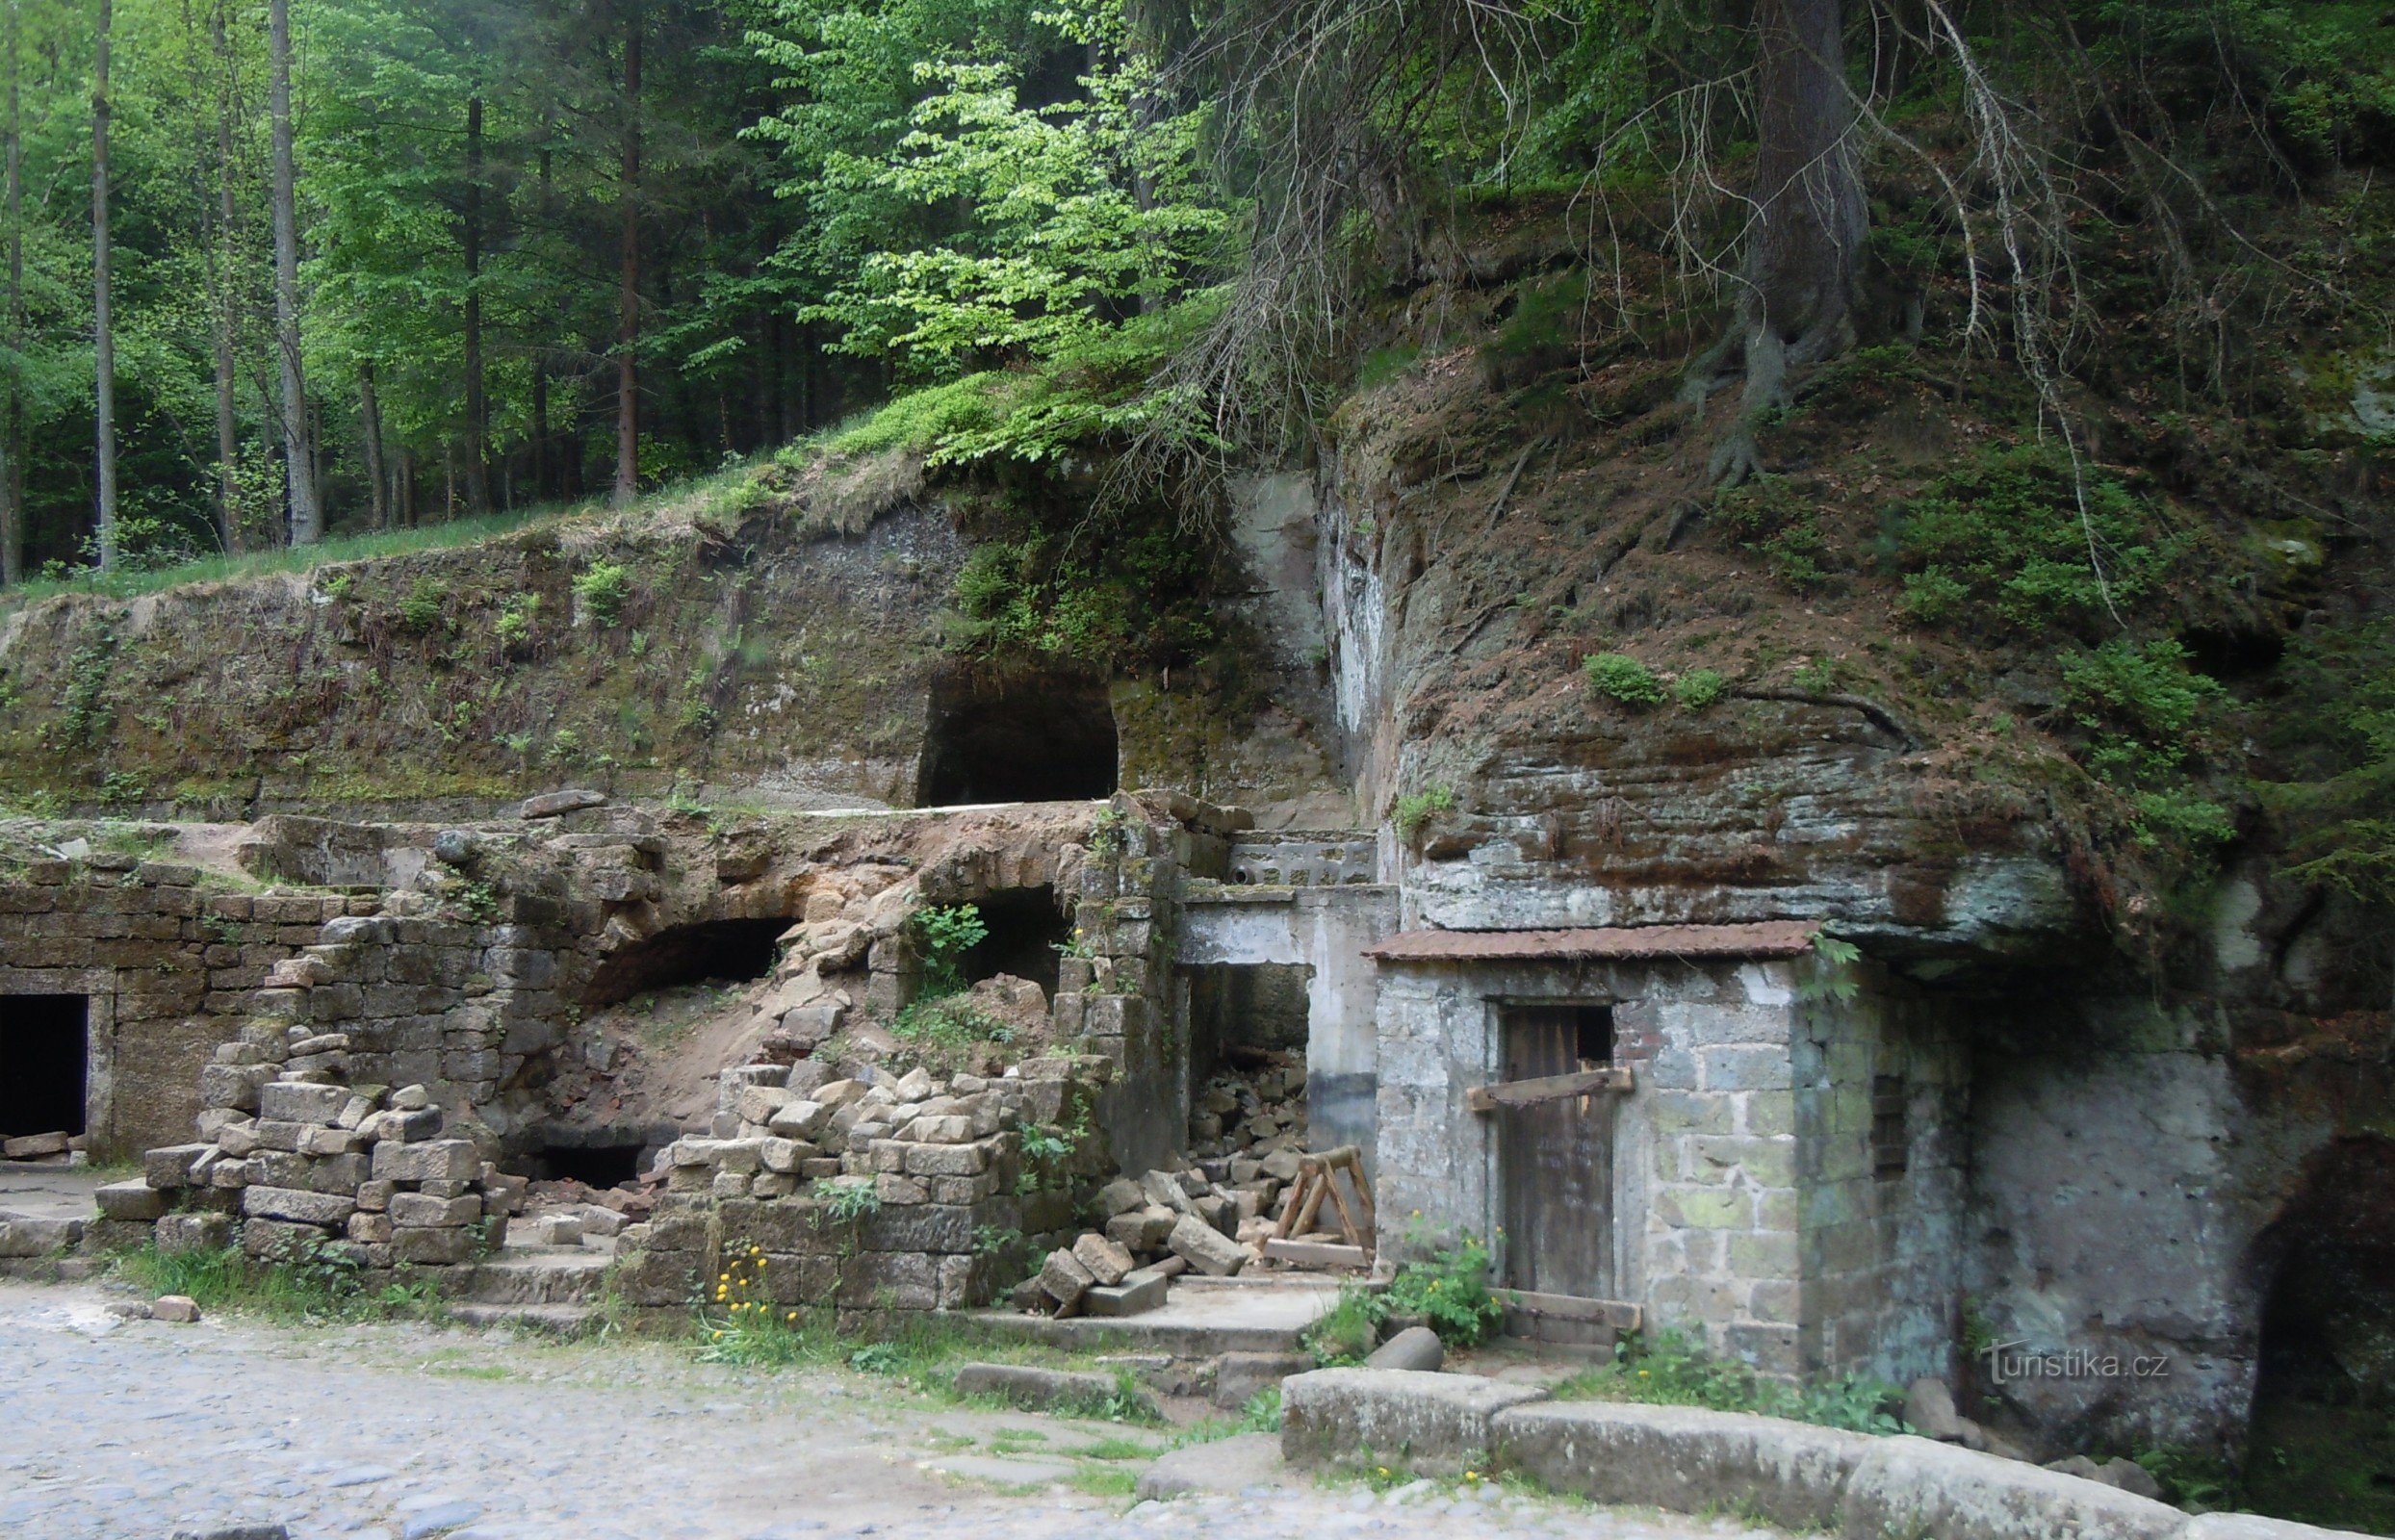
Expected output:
(398, 1431)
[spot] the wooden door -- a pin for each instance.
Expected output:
(1555, 1160)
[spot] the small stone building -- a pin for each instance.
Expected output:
(1696, 1120)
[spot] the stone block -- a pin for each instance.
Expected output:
(1206, 1249)
(233, 1086)
(170, 1167)
(432, 1248)
(756, 1104)
(1908, 1485)
(1232, 1465)
(1065, 1279)
(129, 1200)
(23, 1238)
(1140, 1230)
(799, 1118)
(293, 1102)
(1415, 1348)
(1682, 1458)
(945, 1160)
(1106, 1260)
(413, 1125)
(436, 1160)
(298, 1206)
(893, 1188)
(656, 1277)
(1120, 1195)
(1429, 1422)
(1239, 1377)
(1040, 1389)
(890, 1280)
(423, 1210)
(370, 1229)
(1125, 1298)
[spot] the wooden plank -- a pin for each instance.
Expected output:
(1315, 1255)
(1547, 1089)
(1613, 1313)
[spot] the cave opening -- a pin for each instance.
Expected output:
(594, 1166)
(45, 1048)
(2321, 1446)
(708, 951)
(1040, 737)
(1026, 931)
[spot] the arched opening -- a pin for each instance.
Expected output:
(2322, 1443)
(1025, 930)
(1039, 737)
(710, 951)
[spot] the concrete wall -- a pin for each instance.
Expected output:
(1881, 1250)
(1326, 930)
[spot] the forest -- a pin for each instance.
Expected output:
(280, 266)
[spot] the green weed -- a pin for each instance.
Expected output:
(1619, 677)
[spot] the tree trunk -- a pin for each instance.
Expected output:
(407, 488)
(369, 421)
(627, 299)
(1805, 240)
(13, 411)
(307, 514)
(103, 330)
(222, 258)
(540, 355)
(477, 409)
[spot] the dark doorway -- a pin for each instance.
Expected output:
(2322, 1446)
(1042, 737)
(1025, 930)
(45, 1052)
(1555, 1159)
(726, 950)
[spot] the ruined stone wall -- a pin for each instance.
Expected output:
(171, 962)
(1114, 994)
(1882, 1091)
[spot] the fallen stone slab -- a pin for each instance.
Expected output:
(1042, 1389)
(1414, 1348)
(1908, 1485)
(1232, 1465)
(1125, 1298)
(1684, 1458)
(557, 803)
(1431, 1423)
(34, 1146)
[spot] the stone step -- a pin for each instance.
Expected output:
(545, 1277)
(549, 1320)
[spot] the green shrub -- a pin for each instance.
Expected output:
(1418, 807)
(1700, 689)
(2144, 710)
(943, 935)
(1620, 678)
(425, 609)
(2004, 534)
(603, 587)
(1449, 1290)
(1346, 1333)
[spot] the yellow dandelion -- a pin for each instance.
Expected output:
(723, 1277)
(1642, 1373)
(792, 1316)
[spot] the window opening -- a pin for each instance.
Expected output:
(45, 1052)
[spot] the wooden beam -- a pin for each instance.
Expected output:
(1612, 1313)
(1549, 1088)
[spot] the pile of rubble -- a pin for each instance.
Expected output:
(302, 1160)
(1158, 1226)
(1255, 1113)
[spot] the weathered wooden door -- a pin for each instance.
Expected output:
(1555, 1159)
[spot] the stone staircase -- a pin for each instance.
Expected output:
(550, 1289)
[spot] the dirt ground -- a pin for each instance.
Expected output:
(403, 1431)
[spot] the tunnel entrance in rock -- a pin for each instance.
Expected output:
(598, 1166)
(45, 1048)
(1037, 737)
(1026, 930)
(2322, 1441)
(709, 951)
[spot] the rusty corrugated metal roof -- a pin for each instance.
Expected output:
(1759, 938)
